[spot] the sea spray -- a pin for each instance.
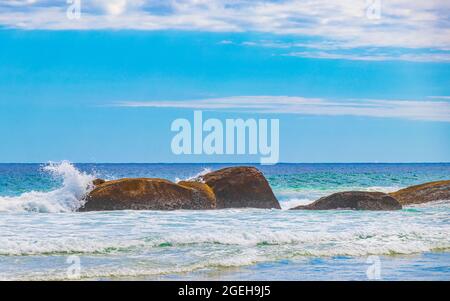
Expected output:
(196, 176)
(67, 198)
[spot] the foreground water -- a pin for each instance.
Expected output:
(41, 237)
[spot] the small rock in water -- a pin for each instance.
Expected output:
(355, 200)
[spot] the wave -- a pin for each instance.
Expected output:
(137, 271)
(288, 243)
(67, 198)
(438, 203)
(196, 176)
(294, 202)
(155, 256)
(385, 189)
(153, 243)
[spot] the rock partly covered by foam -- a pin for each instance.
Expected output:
(355, 200)
(240, 187)
(147, 194)
(428, 192)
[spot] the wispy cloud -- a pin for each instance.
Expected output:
(342, 51)
(408, 57)
(440, 97)
(225, 42)
(405, 109)
(401, 23)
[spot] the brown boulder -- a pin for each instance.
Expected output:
(98, 182)
(356, 200)
(240, 187)
(145, 194)
(428, 192)
(234, 187)
(203, 190)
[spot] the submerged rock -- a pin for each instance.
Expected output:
(146, 194)
(356, 200)
(427, 192)
(240, 187)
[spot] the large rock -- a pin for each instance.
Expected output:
(234, 187)
(356, 200)
(147, 194)
(203, 191)
(428, 192)
(240, 187)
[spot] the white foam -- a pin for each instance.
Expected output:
(385, 189)
(157, 242)
(437, 203)
(291, 203)
(67, 198)
(196, 176)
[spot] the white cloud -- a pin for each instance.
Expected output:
(409, 57)
(439, 97)
(112, 7)
(342, 51)
(402, 23)
(405, 109)
(225, 42)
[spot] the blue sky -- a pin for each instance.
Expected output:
(106, 87)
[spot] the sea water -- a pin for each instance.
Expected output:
(43, 237)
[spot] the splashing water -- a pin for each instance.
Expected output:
(67, 198)
(196, 176)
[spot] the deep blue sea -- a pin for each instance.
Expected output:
(43, 237)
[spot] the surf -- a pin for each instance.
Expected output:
(67, 198)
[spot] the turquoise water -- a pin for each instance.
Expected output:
(42, 237)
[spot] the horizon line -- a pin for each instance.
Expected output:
(255, 163)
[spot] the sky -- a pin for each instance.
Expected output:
(350, 81)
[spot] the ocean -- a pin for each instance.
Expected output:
(42, 237)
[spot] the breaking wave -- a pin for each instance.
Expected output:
(67, 198)
(196, 176)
